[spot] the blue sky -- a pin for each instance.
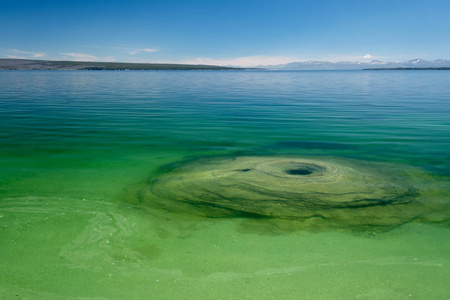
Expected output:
(246, 33)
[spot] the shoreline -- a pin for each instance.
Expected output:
(41, 65)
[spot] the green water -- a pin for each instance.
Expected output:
(74, 145)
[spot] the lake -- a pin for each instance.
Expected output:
(83, 153)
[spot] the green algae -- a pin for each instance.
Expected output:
(311, 192)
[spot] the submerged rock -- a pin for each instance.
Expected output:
(334, 191)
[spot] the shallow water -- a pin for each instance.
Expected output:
(75, 145)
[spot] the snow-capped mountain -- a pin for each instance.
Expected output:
(358, 65)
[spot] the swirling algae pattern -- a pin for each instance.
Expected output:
(335, 191)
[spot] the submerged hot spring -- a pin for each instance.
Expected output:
(224, 185)
(314, 193)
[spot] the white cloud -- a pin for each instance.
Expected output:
(339, 57)
(27, 53)
(245, 61)
(108, 58)
(264, 60)
(16, 57)
(137, 51)
(79, 56)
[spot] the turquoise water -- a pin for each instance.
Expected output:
(76, 145)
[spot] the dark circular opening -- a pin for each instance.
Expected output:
(299, 171)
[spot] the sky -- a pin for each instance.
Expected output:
(240, 33)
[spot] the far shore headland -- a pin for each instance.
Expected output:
(29, 64)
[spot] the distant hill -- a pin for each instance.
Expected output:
(358, 65)
(27, 64)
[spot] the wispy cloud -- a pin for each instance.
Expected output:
(26, 53)
(245, 61)
(137, 51)
(79, 56)
(337, 57)
(263, 60)
(15, 56)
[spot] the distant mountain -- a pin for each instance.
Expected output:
(28, 64)
(358, 65)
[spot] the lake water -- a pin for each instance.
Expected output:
(76, 147)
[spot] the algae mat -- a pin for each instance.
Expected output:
(318, 191)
